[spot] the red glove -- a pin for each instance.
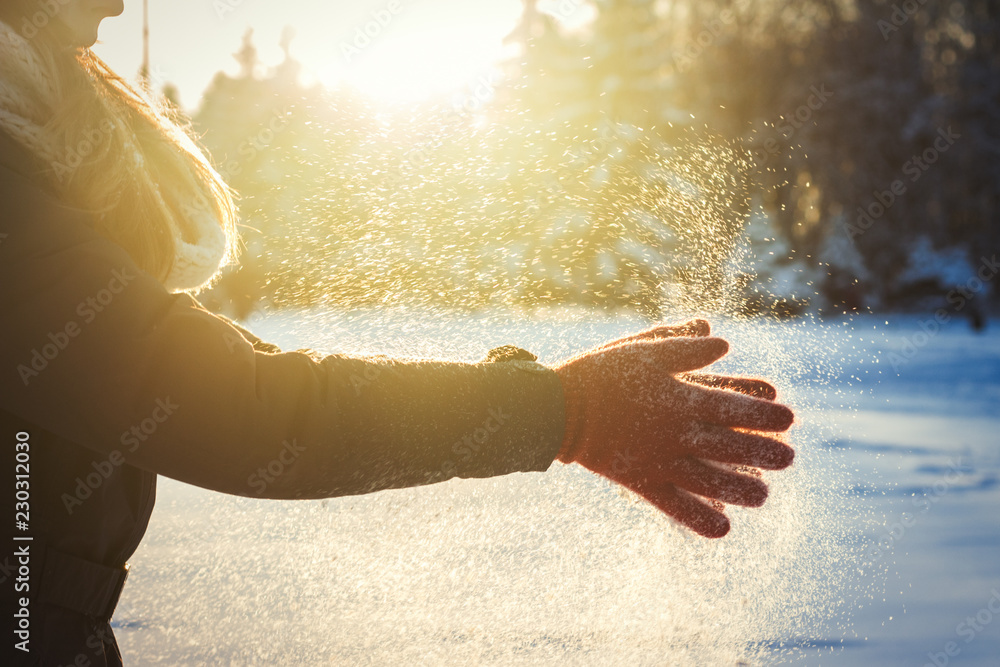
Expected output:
(636, 415)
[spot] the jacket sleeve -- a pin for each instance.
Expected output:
(98, 352)
(254, 340)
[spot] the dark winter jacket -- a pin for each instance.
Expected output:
(107, 380)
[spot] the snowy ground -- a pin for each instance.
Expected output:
(880, 547)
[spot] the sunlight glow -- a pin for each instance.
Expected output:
(392, 50)
(413, 64)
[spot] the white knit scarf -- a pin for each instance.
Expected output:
(27, 103)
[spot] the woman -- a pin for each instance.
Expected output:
(113, 373)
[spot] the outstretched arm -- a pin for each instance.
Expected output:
(98, 352)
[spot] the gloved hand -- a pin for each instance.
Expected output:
(636, 414)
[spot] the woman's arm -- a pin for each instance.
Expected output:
(256, 341)
(100, 353)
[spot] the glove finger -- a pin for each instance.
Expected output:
(688, 510)
(717, 443)
(717, 483)
(730, 408)
(675, 355)
(692, 329)
(748, 386)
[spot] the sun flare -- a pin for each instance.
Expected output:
(389, 50)
(411, 64)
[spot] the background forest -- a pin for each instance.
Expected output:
(749, 157)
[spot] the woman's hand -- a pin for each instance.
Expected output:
(638, 415)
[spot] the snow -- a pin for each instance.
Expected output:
(562, 568)
(948, 267)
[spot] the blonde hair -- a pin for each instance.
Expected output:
(112, 151)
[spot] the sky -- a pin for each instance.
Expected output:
(396, 50)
